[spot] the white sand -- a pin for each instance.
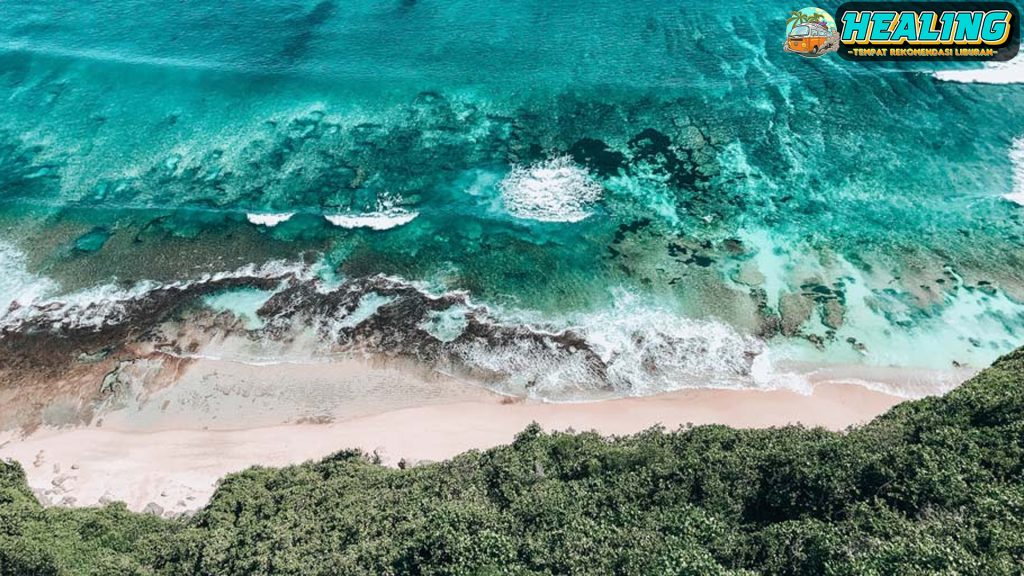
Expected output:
(174, 456)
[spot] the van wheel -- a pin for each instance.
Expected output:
(815, 49)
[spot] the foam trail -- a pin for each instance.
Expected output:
(110, 304)
(556, 190)
(1011, 72)
(17, 286)
(638, 350)
(384, 220)
(1017, 157)
(269, 220)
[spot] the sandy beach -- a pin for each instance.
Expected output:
(166, 449)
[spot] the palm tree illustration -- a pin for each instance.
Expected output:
(798, 18)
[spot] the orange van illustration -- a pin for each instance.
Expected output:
(807, 38)
(811, 32)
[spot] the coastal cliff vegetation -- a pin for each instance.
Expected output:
(935, 486)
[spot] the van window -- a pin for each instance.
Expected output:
(800, 31)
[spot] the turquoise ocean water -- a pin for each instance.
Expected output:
(659, 177)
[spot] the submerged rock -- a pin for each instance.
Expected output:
(748, 275)
(832, 312)
(795, 310)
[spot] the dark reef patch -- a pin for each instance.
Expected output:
(597, 156)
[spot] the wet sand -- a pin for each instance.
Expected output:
(167, 448)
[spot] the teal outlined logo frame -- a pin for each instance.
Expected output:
(811, 32)
(944, 31)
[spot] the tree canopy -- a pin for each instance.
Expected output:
(932, 487)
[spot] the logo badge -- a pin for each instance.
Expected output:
(913, 30)
(962, 31)
(811, 32)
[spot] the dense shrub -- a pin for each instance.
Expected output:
(933, 487)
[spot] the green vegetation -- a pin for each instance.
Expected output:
(933, 487)
(798, 18)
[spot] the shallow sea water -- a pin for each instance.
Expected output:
(659, 177)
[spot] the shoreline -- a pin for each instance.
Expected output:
(165, 450)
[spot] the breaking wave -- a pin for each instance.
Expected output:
(555, 190)
(108, 305)
(628, 350)
(1017, 157)
(387, 215)
(1011, 72)
(632, 348)
(17, 285)
(384, 220)
(269, 220)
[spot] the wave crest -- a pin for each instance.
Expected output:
(109, 305)
(555, 190)
(384, 220)
(630, 349)
(388, 215)
(1011, 72)
(1017, 158)
(269, 220)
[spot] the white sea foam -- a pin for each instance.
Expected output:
(1017, 157)
(445, 325)
(383, 220)
(89, 308)
(389, 214)
(643, 350)
(269, 220)
(17, 286)
(109, 304)
(649, 350)
(1011, 72)
(555, 190)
